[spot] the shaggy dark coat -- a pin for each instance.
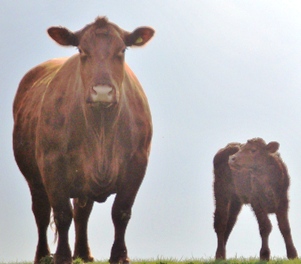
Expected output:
(251, 173)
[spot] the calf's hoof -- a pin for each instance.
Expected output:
(265, 254)
(220, 255)
(292, 253)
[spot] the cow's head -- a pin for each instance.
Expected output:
(101, 48)
(254, 155)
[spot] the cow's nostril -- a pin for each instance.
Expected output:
(102, 89)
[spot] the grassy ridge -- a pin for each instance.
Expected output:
(193, 261)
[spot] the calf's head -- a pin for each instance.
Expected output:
(101, 47)
(254, 155)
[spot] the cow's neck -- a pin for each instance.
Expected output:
(100, 138)
(102, 119)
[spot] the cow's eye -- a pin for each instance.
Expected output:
(83, 54)
(121, 53)
(253, 150)
(80, 50)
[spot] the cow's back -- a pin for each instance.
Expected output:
(26, 110)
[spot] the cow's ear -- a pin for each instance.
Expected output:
(139, 36)
(63, 36)
(272, 147)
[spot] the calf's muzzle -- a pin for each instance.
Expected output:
(233, 162)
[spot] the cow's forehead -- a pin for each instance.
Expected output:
(101, 26)
(110, 34)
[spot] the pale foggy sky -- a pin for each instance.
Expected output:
(215, 72)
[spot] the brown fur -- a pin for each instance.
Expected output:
(68, 144)
(251, 173)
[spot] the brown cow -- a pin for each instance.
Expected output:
(83, 130)
(251, 173)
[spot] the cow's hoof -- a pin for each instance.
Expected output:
(58, 259)
(85, 259)
(120, 261)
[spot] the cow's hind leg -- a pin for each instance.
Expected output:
(62, 214)
(284, 226)
(265, 228)
(41, 210)
(81, 217)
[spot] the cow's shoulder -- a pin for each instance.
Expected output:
(34, 82)
(134, 91)
(42, 72)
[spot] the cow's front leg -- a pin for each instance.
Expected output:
(122, 207)
(57, 188)
(120, 217)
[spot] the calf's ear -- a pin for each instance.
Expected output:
(63, 36)
(139, 36)
(272, 147)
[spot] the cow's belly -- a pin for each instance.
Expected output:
(88, 188)
(88, 181)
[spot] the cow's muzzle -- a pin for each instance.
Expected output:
(104, 94)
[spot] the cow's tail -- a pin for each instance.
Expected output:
(53, 228)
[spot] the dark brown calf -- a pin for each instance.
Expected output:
(83, 130)
(251, 173)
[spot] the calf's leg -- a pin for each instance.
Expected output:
(221, 215)
(81, 217)
(284, 226)
(235, 207)
(265, 228)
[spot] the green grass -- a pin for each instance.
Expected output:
(48, 260)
